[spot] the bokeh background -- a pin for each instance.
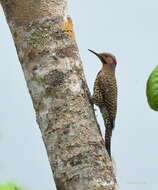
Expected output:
(128, 29)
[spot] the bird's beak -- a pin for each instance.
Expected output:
(94, 53)
(98, 55)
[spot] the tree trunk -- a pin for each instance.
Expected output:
(46, 47)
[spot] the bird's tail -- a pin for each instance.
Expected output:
(109, 125)
(108, 135)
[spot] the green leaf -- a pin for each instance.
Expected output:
(152, 89)
(9, 186)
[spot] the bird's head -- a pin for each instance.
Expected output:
(106, 58)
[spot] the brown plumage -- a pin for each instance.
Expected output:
(105, 94)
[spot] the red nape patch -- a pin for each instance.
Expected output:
(115, 62)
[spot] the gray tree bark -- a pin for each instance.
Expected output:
(46, 47)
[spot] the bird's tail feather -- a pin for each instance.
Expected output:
(109, 125)
(108, 134)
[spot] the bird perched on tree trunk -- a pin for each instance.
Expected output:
(105, 94)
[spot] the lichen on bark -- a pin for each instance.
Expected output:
(45, 42)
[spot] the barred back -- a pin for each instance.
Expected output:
(105, 92)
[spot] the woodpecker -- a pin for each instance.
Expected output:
(105, 94)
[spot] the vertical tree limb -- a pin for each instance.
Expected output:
(46, 47)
